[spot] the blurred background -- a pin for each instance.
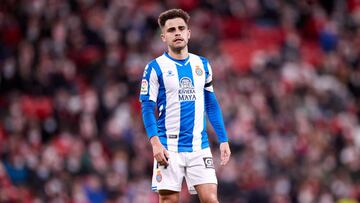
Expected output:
(287, 76)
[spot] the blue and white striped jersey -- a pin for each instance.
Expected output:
(177, 86)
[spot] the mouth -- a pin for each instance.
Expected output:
(178, 40)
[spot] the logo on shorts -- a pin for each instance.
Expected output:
(158, 176)
(208, 162)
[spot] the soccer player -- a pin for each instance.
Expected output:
(179, 84)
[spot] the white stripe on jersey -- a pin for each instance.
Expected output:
(172, 109)
(199, 106)
(154, 90)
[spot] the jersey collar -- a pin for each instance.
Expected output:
(181, 62)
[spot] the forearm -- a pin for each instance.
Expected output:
(149, 120)
(215, 116)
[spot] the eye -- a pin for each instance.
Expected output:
(172, 29)
(182, 27)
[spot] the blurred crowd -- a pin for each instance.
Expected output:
(287, 76)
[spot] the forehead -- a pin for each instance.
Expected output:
(175, 22)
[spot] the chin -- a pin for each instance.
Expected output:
(177, 48)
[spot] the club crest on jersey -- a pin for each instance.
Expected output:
(144, 87)
(158, 176)
(198, 71)
(187, 90)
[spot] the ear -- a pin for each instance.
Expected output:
(162, 36)
(189, 34)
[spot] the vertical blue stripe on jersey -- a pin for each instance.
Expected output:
(160, 102)
(187, 114)
(205, 64)
(204, 136)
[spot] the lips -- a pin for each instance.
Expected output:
(178, 40)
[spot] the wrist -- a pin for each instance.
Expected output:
(154, 140)
(226, 140)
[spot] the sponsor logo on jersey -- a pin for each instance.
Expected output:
(187, 90)
(198, 71)
(144, 87)
(173, 136)
(208, 161)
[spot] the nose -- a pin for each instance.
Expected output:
(177, 32)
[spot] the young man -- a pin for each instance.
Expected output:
(180, 85)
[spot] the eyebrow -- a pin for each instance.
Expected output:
(170, 29)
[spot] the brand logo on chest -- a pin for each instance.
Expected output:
(169, 73)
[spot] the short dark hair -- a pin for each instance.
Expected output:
(171, 14)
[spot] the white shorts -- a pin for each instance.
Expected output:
(197, 168)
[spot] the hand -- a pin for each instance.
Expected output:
(224, 153)
(159, 151)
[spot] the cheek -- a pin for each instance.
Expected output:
(166, 39)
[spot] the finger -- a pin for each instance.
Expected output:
(224, 157)
(163, 160)
(166, 157)
(225, 161)
(166, 153)
(159, 159)
(222, 161)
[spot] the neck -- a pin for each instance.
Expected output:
(181, 54)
